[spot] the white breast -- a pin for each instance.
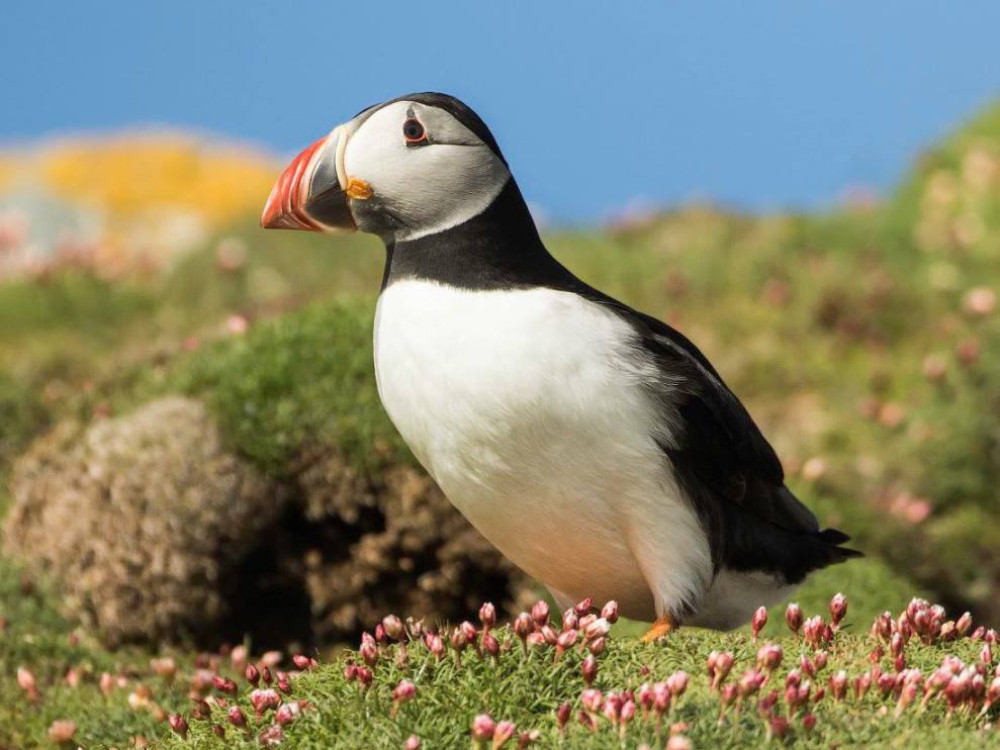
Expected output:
(525, 406)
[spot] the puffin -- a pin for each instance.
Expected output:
(595, 446)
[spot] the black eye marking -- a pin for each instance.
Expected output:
(414, 133)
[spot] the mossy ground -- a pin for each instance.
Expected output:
(851, 336)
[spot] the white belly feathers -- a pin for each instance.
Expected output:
(526, 408)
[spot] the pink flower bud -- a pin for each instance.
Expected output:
(886, 683)
(627, 711)
(570, 619)
(528, 738)
(435, 645)
(758, 622)
(488, 616)
(62, 731)
(469, 630)
(566, 640)
(404, 691)
(861, 685)
(599, 628)
(793, 617)
(750, 682)
(610, 611)
(677, 683)
(662, 697)
(721, 666)
(502, 733)
(813, 631)
(165, 667)
(304, 662)
(838, 685)
(272, 736)
(591, 699)
(964, 623)
(365, 677)
(368, 652)
(393, 627)
(612, 707)
(562, 715)
(896, 644)
(459, 640)
(380, 635)
(287, 713)
(549, 635)
(679, 742)
(838, 609)
(587, 721)
(106, 683)
(728, 695)
(483, 728)
(350, 672)
(491, 645)
(584, 606)
(589, 669)
(412, 743)
(807, 666)
(777, 727)
(224, 685)
(540, 613)
(282, 682)
(809, 722)
(252, 675)
(645, 697)
(264, 699)
(596, 646)
(178, 724)
(265, 673)
(535, 640)
(769, 656)
(882, 626)
(523, 624)
(236, 716)
(26, 681)
(271, 659)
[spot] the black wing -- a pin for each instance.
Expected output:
(726, 466)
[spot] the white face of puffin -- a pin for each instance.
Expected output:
(402, 171)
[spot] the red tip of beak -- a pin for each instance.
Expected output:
(285, 207)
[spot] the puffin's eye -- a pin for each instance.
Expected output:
(414, 133)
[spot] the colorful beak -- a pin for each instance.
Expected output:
(310, 193)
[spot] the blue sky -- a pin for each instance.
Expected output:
(758, 104)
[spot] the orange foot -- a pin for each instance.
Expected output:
(664, 625)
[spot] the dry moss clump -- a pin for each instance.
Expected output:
(141, 519)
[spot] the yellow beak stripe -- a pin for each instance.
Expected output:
(358, 189)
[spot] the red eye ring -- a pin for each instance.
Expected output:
(413, 132)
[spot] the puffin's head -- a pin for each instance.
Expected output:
(404, 169)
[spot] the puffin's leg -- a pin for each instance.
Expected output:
(664, 625)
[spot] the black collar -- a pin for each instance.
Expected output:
(496, 249)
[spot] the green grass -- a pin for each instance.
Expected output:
(38, 637)
(528, 689)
